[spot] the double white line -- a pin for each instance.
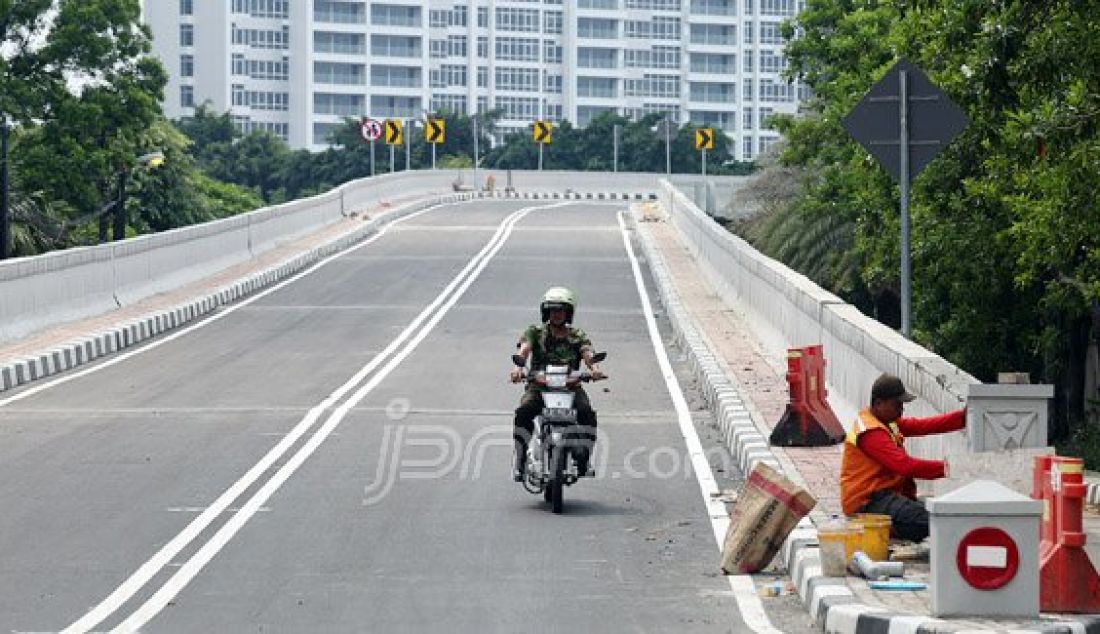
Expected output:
(403, 345)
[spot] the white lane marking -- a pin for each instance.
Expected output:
(752, 610)
(195, 564)
(150, 568)
(200, 509)
(212, 318)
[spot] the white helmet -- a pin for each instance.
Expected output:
(558, 297)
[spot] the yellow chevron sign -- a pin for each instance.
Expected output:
(393, 132)
(543, 132)
(704, 139)
(435, 131)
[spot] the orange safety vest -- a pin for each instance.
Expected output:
(861, 475)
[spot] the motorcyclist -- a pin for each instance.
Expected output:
(555, 341)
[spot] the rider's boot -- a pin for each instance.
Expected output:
(519, 462)
(584, 466)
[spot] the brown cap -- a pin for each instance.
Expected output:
(890, 386)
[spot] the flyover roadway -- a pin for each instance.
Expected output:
(333, 454)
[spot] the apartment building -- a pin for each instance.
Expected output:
(299, 67)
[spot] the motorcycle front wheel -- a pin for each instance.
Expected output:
(556, 486)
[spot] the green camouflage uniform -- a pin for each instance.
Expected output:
(549, 350)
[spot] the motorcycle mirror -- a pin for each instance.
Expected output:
(519, 361)
(599, 356)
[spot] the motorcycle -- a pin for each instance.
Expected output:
(551, 463)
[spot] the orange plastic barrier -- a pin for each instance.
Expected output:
(1068, 581)
(808, 420)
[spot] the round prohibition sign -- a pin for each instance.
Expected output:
(987, 558)
(371, 129)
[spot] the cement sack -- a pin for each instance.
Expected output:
(767, 511)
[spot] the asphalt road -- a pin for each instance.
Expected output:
(334, 456)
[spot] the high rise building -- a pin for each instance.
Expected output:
(299, 67)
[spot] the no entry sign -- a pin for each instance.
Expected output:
(987, 558)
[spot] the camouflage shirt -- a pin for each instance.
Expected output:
(549, 350)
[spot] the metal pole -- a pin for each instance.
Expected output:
(372, 158)
(5, 229)
(706, 198)
(433, 156)
(615, 146)
(408, 143)
(119, 231)
(393, 165)
(476, 188)
(906, 290)
(668, 147)
(540, 156)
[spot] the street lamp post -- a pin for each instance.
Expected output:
(150, 160)
(5, 238)
(475, 151)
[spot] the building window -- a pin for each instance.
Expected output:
(551, 52)
(187, 96)
(187, 35)
(517, 79)
(524, 20)
(400, 46)
(552, 22)
(337, 73)
(772, 63)
(339, 12)
(747, 119)
(343, 105)
(449, 103)
(597, 28)
(395, 76)
(187, 7)
(342, 43)
(714, 7)
(394, 15)
(770, 34)
(746, 148)
(187, 65)
(778, 7)
(517, 49)
(714, 34)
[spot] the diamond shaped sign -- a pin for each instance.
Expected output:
(933, 120)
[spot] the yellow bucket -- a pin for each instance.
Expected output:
(875, 535)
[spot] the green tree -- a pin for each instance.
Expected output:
(88, 135)
(1004, 222)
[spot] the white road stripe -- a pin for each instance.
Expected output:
(195, 564)
(752, 610)
(151, 567)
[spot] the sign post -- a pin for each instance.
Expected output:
(371, 130)
(905, 121)
(393, 138)
(665, 128)
(434, 133)
(615, 131)
(543, 135)
(704, 140)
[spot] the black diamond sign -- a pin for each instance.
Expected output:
(933, 120)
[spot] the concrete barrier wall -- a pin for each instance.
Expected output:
(53, 288)
(786, 309)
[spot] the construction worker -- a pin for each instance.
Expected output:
(876, 474)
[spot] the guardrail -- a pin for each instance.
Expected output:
(786, 310)
(46, 290)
